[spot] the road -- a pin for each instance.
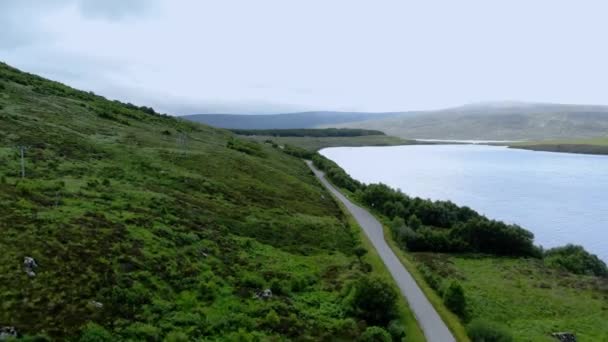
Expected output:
(429, 320)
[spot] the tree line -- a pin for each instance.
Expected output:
(309, 132)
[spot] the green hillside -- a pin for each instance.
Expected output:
(148, 227)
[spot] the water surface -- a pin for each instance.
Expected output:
(560, 197)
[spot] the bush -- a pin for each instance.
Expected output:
(396, 330)
(576, 260)
(454, 299)
(373, 300)
(176, 336)
(95, 333)
(485, 331)
(375, 334)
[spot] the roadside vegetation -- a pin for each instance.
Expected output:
(131, 225)
(487, 273)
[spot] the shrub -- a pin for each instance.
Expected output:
(176, 336)
(375, 334)
(95, 333)
(576, 260)
(396, 330)
(485, 331)
(373, 300)
(454, 299)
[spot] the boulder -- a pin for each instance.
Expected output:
(564, 336)
(264, 294)
(8, 333)
(29, 264)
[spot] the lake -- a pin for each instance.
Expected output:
(562, 198)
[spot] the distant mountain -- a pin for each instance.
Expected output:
(507, 120)
(496, 121)
(284, 121)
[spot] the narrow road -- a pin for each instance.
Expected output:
(433, 327)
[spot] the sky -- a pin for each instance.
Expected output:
(272, 56)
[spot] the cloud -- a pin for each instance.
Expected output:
(115, 9)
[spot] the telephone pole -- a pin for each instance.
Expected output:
(22, 151)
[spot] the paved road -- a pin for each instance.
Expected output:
(433, 327)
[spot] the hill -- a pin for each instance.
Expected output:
(130, 225)
(284, 121)
(480, 121)
(496, 121)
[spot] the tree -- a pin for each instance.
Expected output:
(414, 222)
(375, 334)
(360, 251)
(374, 300)
(95, 333)
(577, 260)
(454, 299)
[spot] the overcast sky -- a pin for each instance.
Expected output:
(197, 56)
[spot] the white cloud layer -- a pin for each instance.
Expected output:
(190, 56)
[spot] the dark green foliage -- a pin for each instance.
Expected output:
(335, 173)
(309, 132)
(360, 252)
(576, 260)
(95, 333)
(297, 152)
(480, 330)
(375, 334)
(454, 299)
(245, 146)
(397, 331)
(373, 300)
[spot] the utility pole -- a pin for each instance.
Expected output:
(182, 141)
(22, 152)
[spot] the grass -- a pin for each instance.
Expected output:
(531, 299)
(172, 226)
(317, 143)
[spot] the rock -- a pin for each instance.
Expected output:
(29, 264)
(97, 305)
(8, 332)
(564, 336)
(265, 294)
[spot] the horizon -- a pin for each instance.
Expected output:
(192, 57)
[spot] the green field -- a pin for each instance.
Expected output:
(584, 146)
(531, 299)
(147, 227)
(317, 143)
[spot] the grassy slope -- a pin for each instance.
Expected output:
(160, 222)
(584, 146)
(317, 143)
